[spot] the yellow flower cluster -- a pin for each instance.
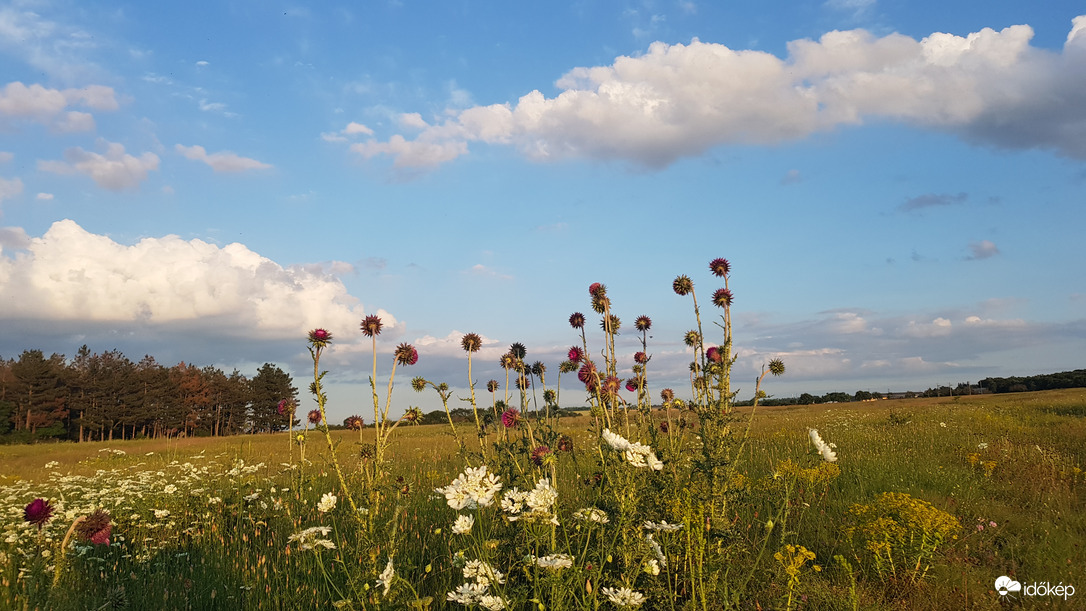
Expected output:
(900, 534)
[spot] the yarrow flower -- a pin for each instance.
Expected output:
(472, 488)
(624, 597)
(371, 326)
(310, 538)
(327, 503)
(823, 448)
(463, 524)
(38, 512)
(511, 418)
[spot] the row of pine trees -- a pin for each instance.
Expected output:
(106, 396)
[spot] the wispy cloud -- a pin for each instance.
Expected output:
(223, 161)
(982, 250)
(114, 170)
(932, 200)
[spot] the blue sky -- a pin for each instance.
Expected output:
(898, 185)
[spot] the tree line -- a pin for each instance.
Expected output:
(106, 396)
(1045, 381)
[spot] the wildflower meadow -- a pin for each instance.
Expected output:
(641, 500)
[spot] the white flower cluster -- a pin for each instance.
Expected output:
(591, 514)
(656, 551)
(553, 561)
(327, 503)
(663, 526)
(472, 488)
(477, 592)
(463, 524)
(823, 448)
(384, 580)
(310, 538)
(624, 597)
(536, 504)
(637, 453)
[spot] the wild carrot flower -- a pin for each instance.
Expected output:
(38, 512)
(636, 453)
(371, 326)
(643, 323)
(662, 526)
(463, 524)
(483, 573)
(471, 342)
(468, 593)
(720, 267)
(472, 488)
(659, 553)
(95, 528)
(682, 285)
(310, 538)
(823, 448)
(314, 416)
(722, 297)
(624, 597)
(327, 503)
(555, 562)
(576, 320)
(511, 418)
(591, 514)
(406, 354)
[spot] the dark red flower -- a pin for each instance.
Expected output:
(38, 512)
(587, 374)
(667, 395)
(471, 342)
(611, 385)
(576, 320)
(510, 418)
(353, 423)
(643, 323)
(722, 298)
(631, 385)
(720, 267)
(320, 338)
(565, 443)
(683, 285)
(663, 426)
(406, 354)
(95, 528)
(575, 354)
(371, 325)
(314, 416)
(597, 289)
(640, 358)
(714, 354)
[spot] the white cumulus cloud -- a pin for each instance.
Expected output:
(69, 274)
(50, 107)
(223, 161)
(10, 188)
(114, 170)
(680, 100)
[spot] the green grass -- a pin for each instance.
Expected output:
(1015, 460)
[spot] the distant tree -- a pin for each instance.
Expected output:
(270, 386)
(807, 399)
(836, 397)
(862, 395)
(39, 394)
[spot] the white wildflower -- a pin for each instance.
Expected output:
(656, 551)
(170, 489)
(162, 513)
(463, 524)
(384, 580)
(636, 453)
(327, 503)
(982, 445)
(51, 464)
(493, 603)
(472, 488)
(555, 561)
(823, 448)
(310, 538)
(652, 567)
(591, 514)
(624, 597)
(663, 526)
(467, 593)
(483, 573)
(513, 501)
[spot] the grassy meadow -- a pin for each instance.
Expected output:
(219, 523)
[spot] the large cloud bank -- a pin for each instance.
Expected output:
(680, 100)
(70, 275)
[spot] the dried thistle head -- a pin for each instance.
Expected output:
(683, 285)
(567, 366)
(371, 325)
(643, 323)
(508, 361)
(492, 385)
(610, 324)
(576, 320)
(641, 358)
(95, 528)
(549, 396)
(611, 386)
(587, 375)
(471, 342)
(518, 350)
(692, 339)
(667, 395)
(538, 369)
(353, 423)
(720, 267)
(722, 298)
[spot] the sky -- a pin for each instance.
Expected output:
(898, 185)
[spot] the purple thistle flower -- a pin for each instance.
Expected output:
(38, 512)
(510, 418)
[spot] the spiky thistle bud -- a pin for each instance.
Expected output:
(418, 383)
(692, 339)
(406, 354)
(683, 285)
(610, 324)
(518, 350)
(492, 386)
(720, 267)
(320, 338)
(776, 367)
(722, 298)
(576, 320)
(471, 342)
(371, 325)
(643, 323)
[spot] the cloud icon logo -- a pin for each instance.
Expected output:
(1005, 584)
